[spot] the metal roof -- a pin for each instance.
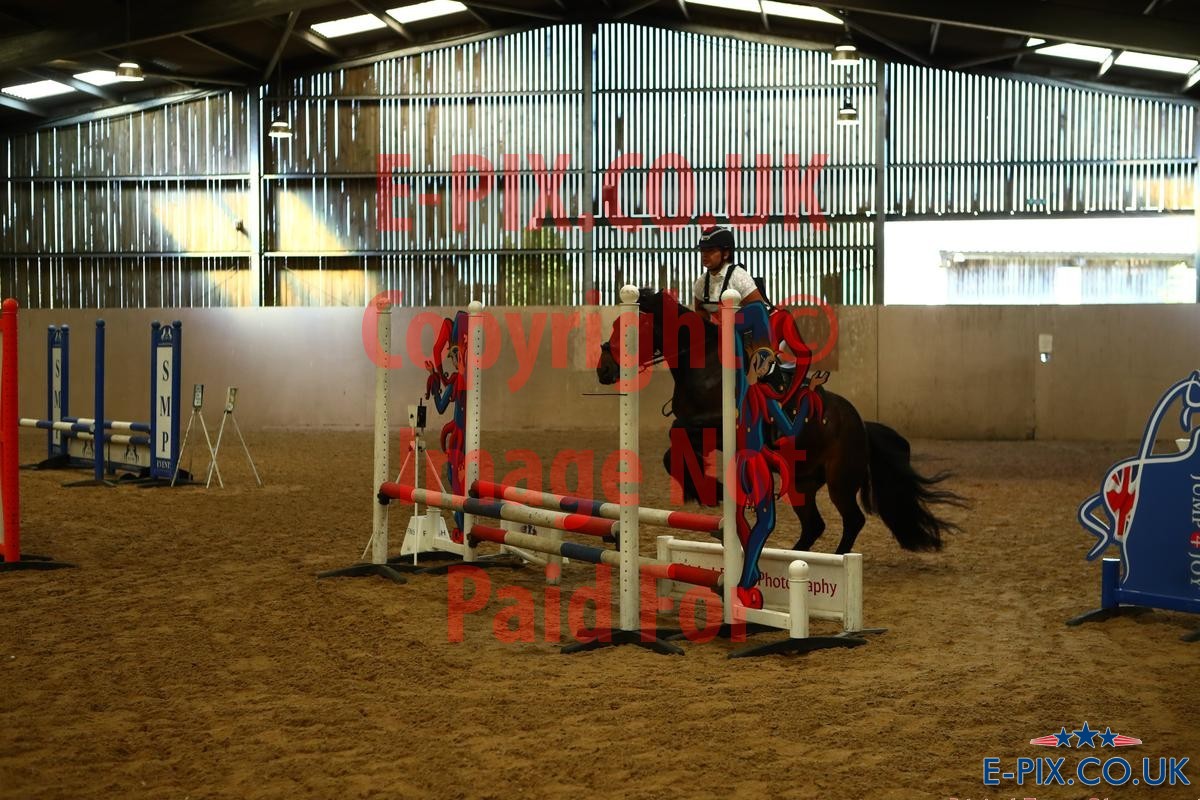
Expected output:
(197, 45)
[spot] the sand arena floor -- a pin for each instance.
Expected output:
(194, 655)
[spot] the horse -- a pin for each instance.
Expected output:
(858, 460)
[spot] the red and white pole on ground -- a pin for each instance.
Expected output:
(730, 299)
(502, 509)
(683, 573)
(681, 520)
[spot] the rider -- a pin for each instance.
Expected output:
(716, 248)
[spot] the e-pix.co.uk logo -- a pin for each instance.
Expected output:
(1090, 770)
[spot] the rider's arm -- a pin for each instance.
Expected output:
(753, 297)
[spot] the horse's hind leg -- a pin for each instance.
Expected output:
(843, 491)
(846, 477)
(812, 525)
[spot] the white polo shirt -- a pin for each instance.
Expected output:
(741, 282)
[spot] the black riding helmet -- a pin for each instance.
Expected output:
(716, 237)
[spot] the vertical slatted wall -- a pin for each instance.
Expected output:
(962, 144)
(139, 210)
(705, 97)
(512, 95)
(143, 209)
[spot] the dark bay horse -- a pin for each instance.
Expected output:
(856, 459)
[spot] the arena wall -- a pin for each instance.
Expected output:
(955, 372)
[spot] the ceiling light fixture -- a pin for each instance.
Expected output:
(847, 114)
(845, 52)
(280, 129)
(129, 71)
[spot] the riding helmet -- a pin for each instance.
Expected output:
(714, 237)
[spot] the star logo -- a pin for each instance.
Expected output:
(1086, 736)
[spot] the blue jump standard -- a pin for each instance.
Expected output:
(145, 453)
(1115, 601)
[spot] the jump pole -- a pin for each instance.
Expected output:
(472, 507)
(474, 364)
(697, 576)
(682, 520)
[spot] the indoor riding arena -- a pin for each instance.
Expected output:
(614, 399)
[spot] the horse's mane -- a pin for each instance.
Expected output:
(655, 303)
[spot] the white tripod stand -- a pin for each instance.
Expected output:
(197, 403)
(230, 401)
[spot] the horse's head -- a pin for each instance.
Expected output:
(608, 368)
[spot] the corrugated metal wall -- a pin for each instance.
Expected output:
(725, 96)
(139, 210)
(514, 95)
(969, 144)
(144, 209)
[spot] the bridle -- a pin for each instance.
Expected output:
(654, 361)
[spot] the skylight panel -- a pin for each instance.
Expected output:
(1132, 58)
(37, 90)
(348, 26)
(427, 10)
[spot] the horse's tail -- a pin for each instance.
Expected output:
(901, 496)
